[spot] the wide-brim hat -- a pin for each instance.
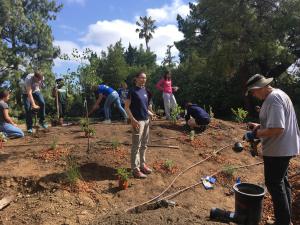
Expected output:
(257, 81)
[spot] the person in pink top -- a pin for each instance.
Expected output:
(165, 85)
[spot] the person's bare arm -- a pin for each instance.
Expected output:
(97, 104)
(7, 118)
(267, 132)
(135, 124)
(31, 99)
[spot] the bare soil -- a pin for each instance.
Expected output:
(33, 170)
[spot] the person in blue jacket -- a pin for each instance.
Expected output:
(196, 117)
(111, 97)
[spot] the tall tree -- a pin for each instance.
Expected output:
(251, 37)
(114, 69)
(25, 32)
(131, 55)
(168, 61)
(26, 38)
(145, 29)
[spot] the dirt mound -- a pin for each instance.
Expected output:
(47, 191)
(178, 216)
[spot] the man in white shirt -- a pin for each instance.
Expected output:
(33, 99)
(280, 136)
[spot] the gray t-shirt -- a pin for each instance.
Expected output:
(3, 105)
(30, 82)
(277, 111)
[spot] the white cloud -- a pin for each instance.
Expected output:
(168, 13)
(103, 33)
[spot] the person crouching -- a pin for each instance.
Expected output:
(196, 117)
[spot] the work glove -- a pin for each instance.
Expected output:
(249, 136)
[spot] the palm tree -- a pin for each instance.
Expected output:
(146, 28)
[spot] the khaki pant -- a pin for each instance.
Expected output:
(140, 140)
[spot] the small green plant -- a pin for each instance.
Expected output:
(159, 112)
(54, 143)
(228, 170)
(3, 137)
(123, 174)
(210, 112)
(192, 135)
(72, 172)
(89, 131)
(239, 114)
(175, 112)
(83, 122)
(168, 164)
(115, 144)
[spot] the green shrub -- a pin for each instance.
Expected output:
(83, 122)
(115, 143)
(123, 174)
(54, 143)
(175, 112)
(228, 170)
(239, 114)
(168, 164)
(72, 172)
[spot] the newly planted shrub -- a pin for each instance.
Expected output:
(115, 144)
(123, 176)
(83, 122)
(89, 131)
(192, 135)
(2, 139)
(228, 170)
(72, 172)
(54, 143)
(175, 113)
(168, 164)
(239, 114)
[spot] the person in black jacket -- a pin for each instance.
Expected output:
(196, 117)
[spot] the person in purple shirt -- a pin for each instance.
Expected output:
(112, 97)
(200, 118)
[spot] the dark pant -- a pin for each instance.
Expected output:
(276, 180)
(62, 109)
(38, 97)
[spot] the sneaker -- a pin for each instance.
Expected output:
(29, 131)
(145, 169)
(44, 125)
(107, 121)
(138, 174)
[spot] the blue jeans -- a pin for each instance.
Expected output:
(38, 97)
(11, 131)
(113, 98)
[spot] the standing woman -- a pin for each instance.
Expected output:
(7, 125)
(165, 85)
(137, 108)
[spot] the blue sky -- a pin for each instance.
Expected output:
(95, 24)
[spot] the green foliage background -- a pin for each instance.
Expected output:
(225, 42)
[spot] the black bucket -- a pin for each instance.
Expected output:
(248, 202)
